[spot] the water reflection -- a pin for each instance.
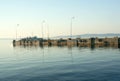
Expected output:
(92, 47)
(43, 55)
(63, 63)
(71, 53)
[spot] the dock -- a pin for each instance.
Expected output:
(34, 41)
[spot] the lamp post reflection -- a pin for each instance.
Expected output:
(71, 53)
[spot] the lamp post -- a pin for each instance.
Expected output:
(16, 31)
(42, 29)
(48, 31)
(71, 26)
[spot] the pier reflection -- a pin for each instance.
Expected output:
(58, 61)
(69, 46)
(51, 54)
(71, 53)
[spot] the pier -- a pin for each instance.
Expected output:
(34, 41)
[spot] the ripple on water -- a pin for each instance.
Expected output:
(59, 64)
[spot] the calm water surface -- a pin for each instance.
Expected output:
(58, 63)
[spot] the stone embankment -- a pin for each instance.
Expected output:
(115, 41)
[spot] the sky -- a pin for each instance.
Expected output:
(90, 17)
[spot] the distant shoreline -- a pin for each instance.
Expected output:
(77, 36)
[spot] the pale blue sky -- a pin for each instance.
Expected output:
(91, 16)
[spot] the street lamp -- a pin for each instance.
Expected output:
(42, 28)
(48, 31)
(16, 31)
(71, 26)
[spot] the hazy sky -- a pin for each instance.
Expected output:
(91, 16)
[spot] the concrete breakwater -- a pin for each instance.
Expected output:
(34, 41)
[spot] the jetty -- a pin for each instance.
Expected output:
(34, 41)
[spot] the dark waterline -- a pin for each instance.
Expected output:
(58, 63)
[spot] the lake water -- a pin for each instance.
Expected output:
(58, 63)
